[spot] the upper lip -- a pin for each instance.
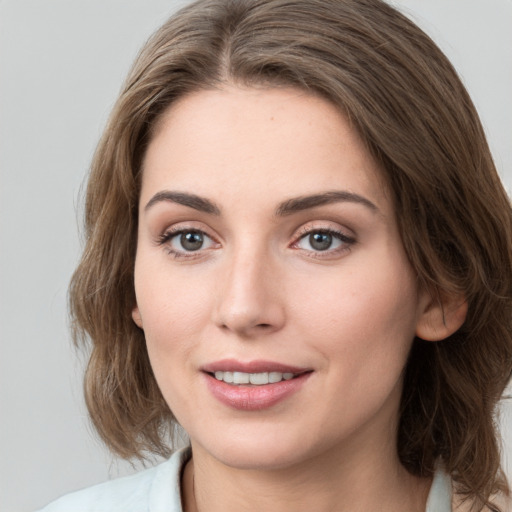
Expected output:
(259, 366)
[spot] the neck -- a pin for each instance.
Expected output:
(356, 479)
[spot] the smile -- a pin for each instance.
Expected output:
(255, 385)
(254, 379)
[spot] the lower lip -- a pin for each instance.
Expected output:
(254, 398)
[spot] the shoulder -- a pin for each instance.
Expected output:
(127, 494)
(498, 503)
(152, 490)
(444, 497)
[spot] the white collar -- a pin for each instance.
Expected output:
(440, 495)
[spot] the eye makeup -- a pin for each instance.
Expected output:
(316, 240)
(319, 241)
(183, 241)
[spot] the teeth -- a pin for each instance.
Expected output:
(256, 379)
(241, 378)
(275, 377)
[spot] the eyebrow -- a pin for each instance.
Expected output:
(336, 196)
(288, 207)
(191, 200)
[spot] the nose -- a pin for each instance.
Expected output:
(249, 296)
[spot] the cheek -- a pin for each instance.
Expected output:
(173, 312)
(363, 327)
(364, 314)
(173, 307)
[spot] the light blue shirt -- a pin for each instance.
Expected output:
(158, 490)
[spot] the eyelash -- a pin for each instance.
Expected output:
(346, 240)
(166, 238)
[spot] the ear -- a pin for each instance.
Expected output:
(441, 316)
(136, 316)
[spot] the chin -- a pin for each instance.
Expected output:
(262, 458)
(259, 452)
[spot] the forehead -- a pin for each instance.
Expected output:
(249, 141)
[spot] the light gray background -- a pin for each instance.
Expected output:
(62, 63)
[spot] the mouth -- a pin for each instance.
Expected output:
(253, 373)
(253, 379)
(253, 386)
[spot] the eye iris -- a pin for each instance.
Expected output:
(320, 241)
(191, 241)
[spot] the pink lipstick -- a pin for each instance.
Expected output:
(254, 385)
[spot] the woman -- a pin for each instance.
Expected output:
(298, 249)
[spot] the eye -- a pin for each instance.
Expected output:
(324, 241)
(320, 241)
(189, 241)
(181, 242)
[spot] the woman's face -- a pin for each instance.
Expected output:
(268, 254)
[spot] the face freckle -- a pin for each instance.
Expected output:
(324, 288)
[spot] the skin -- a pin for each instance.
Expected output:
(257, 289)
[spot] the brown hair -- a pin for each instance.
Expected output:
(405, 99)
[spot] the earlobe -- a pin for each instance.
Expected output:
(136, 317)
(441, 317)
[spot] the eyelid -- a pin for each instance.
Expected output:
(167, 235)
(185, 225)
(346, 236)
(325, 226)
